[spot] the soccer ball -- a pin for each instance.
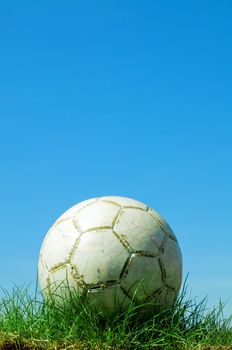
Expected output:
(112, 251)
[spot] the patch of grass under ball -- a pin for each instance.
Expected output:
(29, 322)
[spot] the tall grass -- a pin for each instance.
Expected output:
(26, 319)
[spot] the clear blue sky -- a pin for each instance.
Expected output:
(129, 98)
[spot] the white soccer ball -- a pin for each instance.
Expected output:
(113, 251)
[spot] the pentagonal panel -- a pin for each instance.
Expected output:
(99, 257)
(74, 209)
(97, 215)
(107, 300)
(124, 201)
(58, 243)
(141, 231)
(172, 261)
(142, 276)
(163, 223)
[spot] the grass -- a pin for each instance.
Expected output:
(27, 322)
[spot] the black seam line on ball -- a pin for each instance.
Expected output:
(102, 285)
(123, 241)
(133, 207)
(156, 293)
(144, 253)
(163, 244)
(169, 287)
(79, 279)
(162, 270)
(106, 227)
(86, 205)
(116, 218)
(126, 293)
(161, 225)
(111, 202)
(76, 225)
(74, 247)
(172, 237)
(125, 267)
(59, 266)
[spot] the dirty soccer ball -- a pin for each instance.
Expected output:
(112, 251)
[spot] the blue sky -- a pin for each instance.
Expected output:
(129, 98)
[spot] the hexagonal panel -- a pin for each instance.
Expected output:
(142, 276)
(99, 257)
(107, 300)
(142, 232)
(172, 261)
(58, 243)
(124, 201)
(97, 215)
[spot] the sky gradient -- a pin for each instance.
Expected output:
(118, 98)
